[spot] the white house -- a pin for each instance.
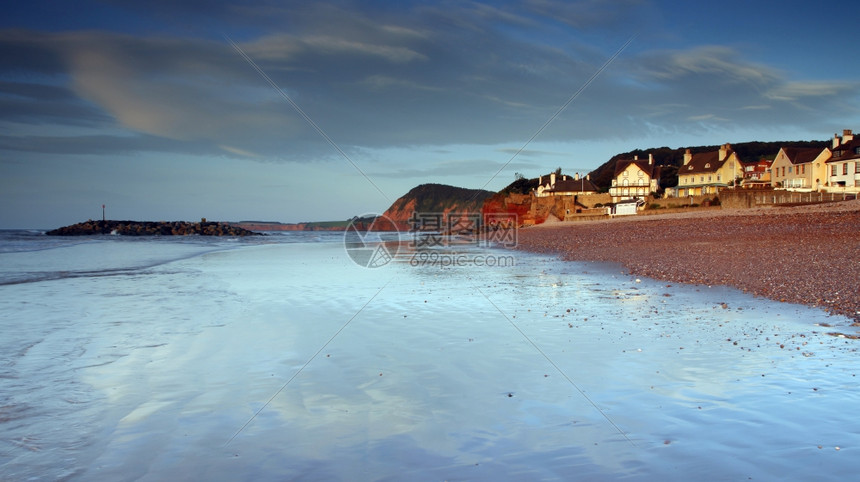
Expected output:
(634, 178)
(843, 167)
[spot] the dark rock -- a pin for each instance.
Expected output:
(151, 228)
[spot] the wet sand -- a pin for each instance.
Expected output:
(804, 254)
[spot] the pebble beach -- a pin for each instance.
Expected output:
(802, 254)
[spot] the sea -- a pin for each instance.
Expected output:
(306, 356)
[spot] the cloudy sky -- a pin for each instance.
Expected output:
(296, 111)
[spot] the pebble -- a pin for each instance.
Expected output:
(807, 232)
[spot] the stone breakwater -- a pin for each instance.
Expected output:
(151, 228)
(808, 254)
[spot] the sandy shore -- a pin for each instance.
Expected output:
(805, 254)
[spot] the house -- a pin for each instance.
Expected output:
(564, 185)
(756, 174)
(708, 172)
(634, 178)
(799, 169)
(843, 167)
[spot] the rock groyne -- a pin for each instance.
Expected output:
(152, 228)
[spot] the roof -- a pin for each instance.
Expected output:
(761, 164)
(705, 162)
(642, 164)
(801, 155)
(849, 151)
(571, 185)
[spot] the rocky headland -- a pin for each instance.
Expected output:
(152, 228)
(430, 200)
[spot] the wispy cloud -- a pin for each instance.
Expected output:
(288, 47)
(239, 152)
(449, 168)
(424, 75)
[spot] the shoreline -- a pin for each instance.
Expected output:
(808, 255)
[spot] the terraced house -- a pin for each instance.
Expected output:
(843, 168)
(708, 172)
(634, 178)
(799, 169)
(562, 185)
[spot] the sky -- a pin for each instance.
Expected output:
(313, 111)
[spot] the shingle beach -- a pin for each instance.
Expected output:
(803, 254)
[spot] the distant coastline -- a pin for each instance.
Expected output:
(152, 228)
(305, 226)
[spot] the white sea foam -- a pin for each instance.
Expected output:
(283, 359)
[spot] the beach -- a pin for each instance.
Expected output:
(280, 358)
(802, 254)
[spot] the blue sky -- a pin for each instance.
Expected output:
(147, 108)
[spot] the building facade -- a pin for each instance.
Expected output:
(757, 174)
(843, 167)
(799, 169)
(634, 178)
(708, 172)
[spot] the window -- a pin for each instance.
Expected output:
(803, 168)
(625, 173)
(845, 169)
(719, 177)
(701, 178)
(856, 167)
(789, 169)
(708, 165)
(833, 170)
(709, 178)
(783, 171)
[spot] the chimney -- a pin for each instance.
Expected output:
(564, 178)
(688, 156)
(552, 179)
(636, 157)
(847, 136)
(723, 150)
(835, 141)
(576, 177)
(588, 177)
(650, 159)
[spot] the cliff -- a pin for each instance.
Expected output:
(531, 210)
(436, 199)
